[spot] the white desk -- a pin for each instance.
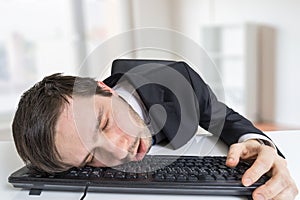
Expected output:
(287, 141)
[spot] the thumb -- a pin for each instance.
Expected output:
(234, 153)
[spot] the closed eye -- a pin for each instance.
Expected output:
(106, 124)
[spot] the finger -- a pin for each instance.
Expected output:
(244, 150)
(280, 186)
(234, 154)
(288, 194)
(261, 165)
(252, 149)
(271, 188)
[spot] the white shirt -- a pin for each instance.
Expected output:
(128, 92)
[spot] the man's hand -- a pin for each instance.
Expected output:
(280, 186)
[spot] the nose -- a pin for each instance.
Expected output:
(97, 163)
(118, 142)
(113, 151)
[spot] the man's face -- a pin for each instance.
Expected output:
(100, 131)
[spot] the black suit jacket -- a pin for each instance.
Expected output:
(178, 100)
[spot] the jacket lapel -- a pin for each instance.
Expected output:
(163, 109)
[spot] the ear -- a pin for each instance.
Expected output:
(106, 88)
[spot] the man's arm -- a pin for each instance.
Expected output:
(260, 138)
(232, 128)
(219, 119)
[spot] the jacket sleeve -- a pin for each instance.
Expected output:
(216, 117)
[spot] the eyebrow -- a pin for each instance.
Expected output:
(99, 119)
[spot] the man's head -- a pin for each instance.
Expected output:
(66, 121)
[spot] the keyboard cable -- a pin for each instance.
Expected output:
(85, 190)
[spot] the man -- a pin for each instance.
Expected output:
(66, 121)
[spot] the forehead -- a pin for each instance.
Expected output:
(74, 128)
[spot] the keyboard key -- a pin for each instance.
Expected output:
(184, 169)
(193, 178)
(181, 178)
(170, 177)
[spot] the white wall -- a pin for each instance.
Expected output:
(282, 15)
(187, 16)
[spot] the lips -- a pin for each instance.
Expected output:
(141, 151)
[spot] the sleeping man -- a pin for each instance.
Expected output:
(67, 121)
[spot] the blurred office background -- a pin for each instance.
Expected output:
(254, 45)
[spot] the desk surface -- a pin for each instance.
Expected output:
(199, 145)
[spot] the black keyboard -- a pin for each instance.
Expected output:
(154, 174)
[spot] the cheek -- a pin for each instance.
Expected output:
(125, 124)
(99, 161)
(105, 159)
(126, 119)
(148, 142)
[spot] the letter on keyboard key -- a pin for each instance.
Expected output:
(181, 178)
(219, 177)
(170, 177)
(193, 178)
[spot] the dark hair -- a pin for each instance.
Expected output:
(35, 120)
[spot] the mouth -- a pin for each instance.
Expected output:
(141, 151)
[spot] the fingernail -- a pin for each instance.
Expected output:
(259, 197)
(247, 182)
(230, 159)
